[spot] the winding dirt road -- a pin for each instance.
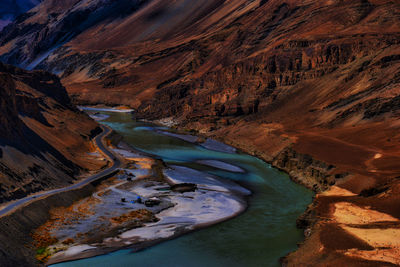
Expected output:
(99, 140)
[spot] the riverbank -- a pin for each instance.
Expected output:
(341, 174)
(114, 208)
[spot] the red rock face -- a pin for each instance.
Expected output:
(36, 114)
(311, 86)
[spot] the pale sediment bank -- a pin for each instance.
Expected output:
(215, 200)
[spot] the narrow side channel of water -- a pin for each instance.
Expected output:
(258, 237)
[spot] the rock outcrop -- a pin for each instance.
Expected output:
(312, 173)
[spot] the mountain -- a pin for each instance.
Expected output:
(311, 86)
(53, 23)
(10, 9)
(44, 139)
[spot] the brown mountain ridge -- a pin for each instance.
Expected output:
(44, 139)
(311, 86)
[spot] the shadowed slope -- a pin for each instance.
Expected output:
(311, 86)
(43, 138)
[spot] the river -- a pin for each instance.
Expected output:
(265, 232)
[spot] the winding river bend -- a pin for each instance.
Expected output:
(258, 237)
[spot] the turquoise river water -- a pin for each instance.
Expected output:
(259, 237)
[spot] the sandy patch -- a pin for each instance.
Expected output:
(77, 249)
(151, 232)
(143, 163)
(338, 191)
(201, 207)
(387, 255)
(385, 241)
(347, 213)
(379, 238)
(179, 174)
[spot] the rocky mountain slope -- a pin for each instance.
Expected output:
(10, 9)
(44, 139)
(53, 23)
(311, 86)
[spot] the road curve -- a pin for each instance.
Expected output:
(100, 144)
